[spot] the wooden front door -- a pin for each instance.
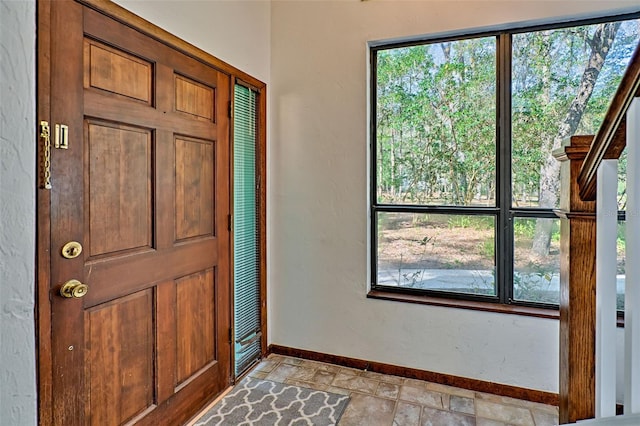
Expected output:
(144, 187)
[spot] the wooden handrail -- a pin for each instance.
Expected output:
(610, 140)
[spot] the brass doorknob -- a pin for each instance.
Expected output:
(73, 289)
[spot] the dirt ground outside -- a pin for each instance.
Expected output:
(410, 240)
(457, 253)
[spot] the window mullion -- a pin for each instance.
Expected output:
(373, 164)
(504, 230)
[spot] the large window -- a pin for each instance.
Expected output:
(463, 181)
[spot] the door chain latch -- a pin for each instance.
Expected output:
(45, 135)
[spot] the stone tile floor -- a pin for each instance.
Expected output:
(378, 399)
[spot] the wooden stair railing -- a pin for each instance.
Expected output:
(581, 313)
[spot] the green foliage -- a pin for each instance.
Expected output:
(458, 222)
(534, 287)
(479, 223)
(621, 233)
(524, 229)
(436, 112)
(435, 109)
(621, 247)
(488, 248)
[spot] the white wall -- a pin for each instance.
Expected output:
(17, 213)
(235, 31)
(318, 188)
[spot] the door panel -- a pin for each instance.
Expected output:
(196, 320)
(120, 358)
(144, 187)
(194, 98)
(118, 72)
(194, 188)
(118, 187)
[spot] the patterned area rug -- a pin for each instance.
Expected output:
(264, 403)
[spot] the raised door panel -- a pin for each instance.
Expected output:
(194, 98)
(194, 190)
(120, 359)
(119, 188)
(117, 72)
(196, 324)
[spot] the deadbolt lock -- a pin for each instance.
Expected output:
(71, 250)
(73, 289)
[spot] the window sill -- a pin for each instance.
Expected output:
(465, 304)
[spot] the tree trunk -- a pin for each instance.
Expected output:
(550, 172)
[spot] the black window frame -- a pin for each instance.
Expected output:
(504, 212)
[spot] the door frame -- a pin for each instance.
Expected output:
(44, 290)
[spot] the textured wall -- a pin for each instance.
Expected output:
(17, 213)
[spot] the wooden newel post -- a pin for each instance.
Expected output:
(577, 288)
